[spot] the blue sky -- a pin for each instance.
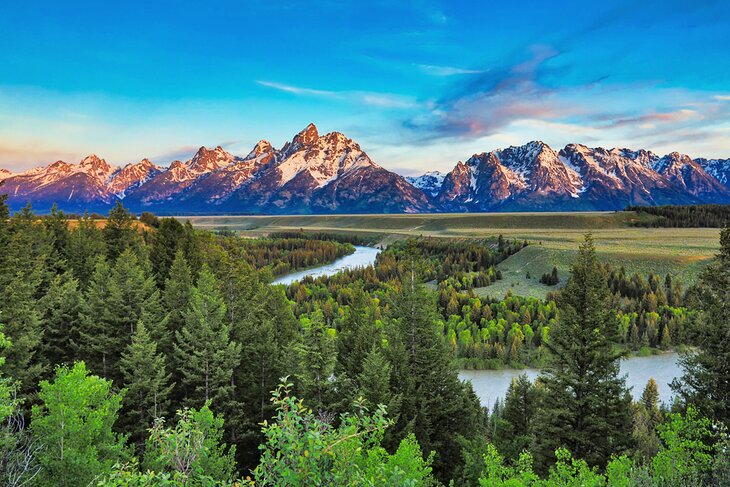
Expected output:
(420, 84)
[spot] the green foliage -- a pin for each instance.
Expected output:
(147, 382)
(204, 353)
(192, 449)
(301, 449)
(75, 424)
(585, 406)
(707, 368)
(685, 457)
(516, 431)
(119, 232)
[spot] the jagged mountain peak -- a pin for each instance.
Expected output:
(429, 182)
(132, 176)
(308, 135)
(263, 146)
(207, 160)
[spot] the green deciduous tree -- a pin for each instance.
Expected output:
(300, 449)
(74, 421)
(192, 450)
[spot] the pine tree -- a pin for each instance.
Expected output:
(262, 322)
(56, 227)
(119, 232)
(357, 335)
(316, 364)
(86, 245)
(204, 353)
(147, 382)
(98, 340)
(374, 383)
(176, 297)
(666, 341)
(166, 241)
(436, 406)
(586, 406)
(19, 313)
(113, 307)
(516, 432)
(707, 370)
(647, 417)
(61, 320)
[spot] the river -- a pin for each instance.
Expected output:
(362, 257)
(492, 384)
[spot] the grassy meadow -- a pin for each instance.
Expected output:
(554, 239)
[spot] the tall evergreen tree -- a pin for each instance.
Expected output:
(176, 298)
(61, 320)
(586, 405)
(706, 379)
(647, 417)
(56, 226)
(204, 353)
(517, 432)
(119, 231)
(98, 338)
(374, 382)
(85, 246)
(316, 364)
(166, 240)
(114, 304)
(436, 405)
(148, 385)
(357, 335)
(19, 312)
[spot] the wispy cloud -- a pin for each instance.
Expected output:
(435, 70)
(490, 100)
(722, 97)
(372, 98)
(296, 89)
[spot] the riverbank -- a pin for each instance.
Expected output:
(491, 385)
(361, 257)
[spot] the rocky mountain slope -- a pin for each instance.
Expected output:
(330, 173)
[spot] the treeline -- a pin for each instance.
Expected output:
(284, 255)
(352, 238)
(683, 216)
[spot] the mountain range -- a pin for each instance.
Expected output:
(331, 174)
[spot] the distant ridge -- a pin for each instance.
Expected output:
(330, 173)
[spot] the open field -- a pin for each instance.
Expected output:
(555, 237)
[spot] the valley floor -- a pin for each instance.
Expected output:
(554, 239)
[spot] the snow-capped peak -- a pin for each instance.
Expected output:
(262, 147)
(4, 174)
(132, 176)
(207, 160)
(96, 167)
(429, 182)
